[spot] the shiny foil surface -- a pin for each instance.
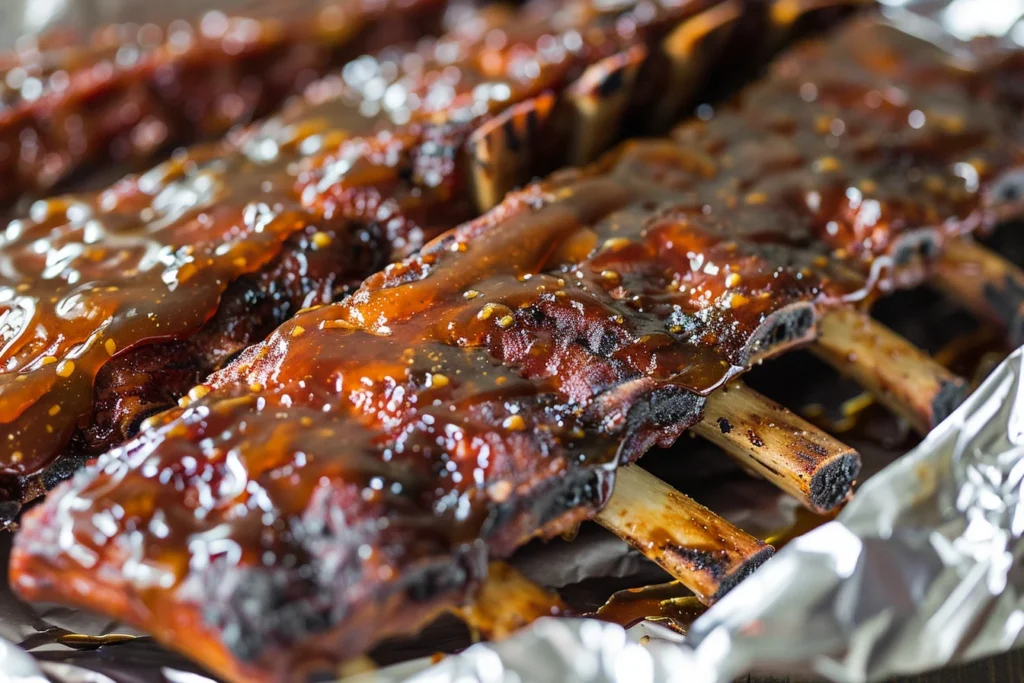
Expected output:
(921, 570)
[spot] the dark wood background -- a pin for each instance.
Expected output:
(1008, 668)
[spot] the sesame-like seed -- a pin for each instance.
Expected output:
(438, 380)
(827, 164)
(48, 360)
(321, 240)
(255, 386)
(868, 186)
(486, 312)
(615, 243)
(610, 275)
(470, 294)
(111, 346)
(732, 280)
(505, 321)
(198, 391)
(54, 410)
(17, 456)
(514, 423)
(66, 368)
(756, 198)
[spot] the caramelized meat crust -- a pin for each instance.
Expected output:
(350, 476)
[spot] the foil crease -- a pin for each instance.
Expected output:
(922, 569)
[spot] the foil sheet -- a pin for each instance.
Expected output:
(920, 571)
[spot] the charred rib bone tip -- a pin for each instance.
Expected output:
(1006, 297)
(948, 398)
(831, 485)
(782, 330)
(743, 572)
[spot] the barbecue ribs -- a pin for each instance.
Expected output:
(351, 476)
(114, 304)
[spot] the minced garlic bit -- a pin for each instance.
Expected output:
(506, 321)
(298, 330)
(111, 346)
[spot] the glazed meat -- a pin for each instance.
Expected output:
(133, 91)
(114, 304)
(351, 476)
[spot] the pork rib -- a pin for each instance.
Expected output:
(352, 475)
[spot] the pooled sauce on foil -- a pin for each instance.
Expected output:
(670, 604)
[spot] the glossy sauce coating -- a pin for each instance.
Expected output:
(132, 91)
(371, 157)
(351, 475)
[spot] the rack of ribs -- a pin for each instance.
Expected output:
(352, 475)
(116, 303)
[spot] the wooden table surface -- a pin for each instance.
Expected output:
(1008, 668)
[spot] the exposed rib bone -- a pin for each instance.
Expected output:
(903, 377)
(802, 460)
(985, 283)
(704, 552)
